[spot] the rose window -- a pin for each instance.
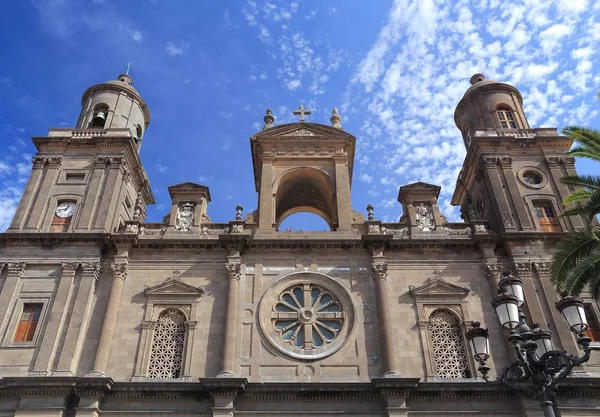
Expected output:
(307, 316)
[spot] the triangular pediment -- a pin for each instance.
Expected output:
(301, 129)
(174, 287)
(437, 287)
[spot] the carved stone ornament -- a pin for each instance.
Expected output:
(139, 209)
(233, 271)
(91, 269)
(493, 270)
(506, 161)
(131, 228)
(16, 268)
(480, 228)
(506, 219)
(424, 215)
(568, 161)
(53, 161)
(374, 228)
(464, 231)
(542, 268)
(237, 228)
(148, 325)
(69, 268)
(185, 217)
(552, 161)
(191, 324)
(490, 161)
(119, 270)
(520, 268)
(379, 270)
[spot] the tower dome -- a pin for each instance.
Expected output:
(115, 104)
(489, 105)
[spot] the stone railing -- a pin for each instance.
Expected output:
(90, 133)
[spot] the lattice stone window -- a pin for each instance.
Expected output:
(166, 355)
(448, 345)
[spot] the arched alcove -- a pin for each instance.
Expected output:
(305, 190)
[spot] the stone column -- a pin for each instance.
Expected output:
(388, 340)
(14, 274)
(233, 271)
(41, 195)
(28, 198)
(563, 189)
(77, 328)
(56, 320)
(119, 270)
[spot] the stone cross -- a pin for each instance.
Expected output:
(301, 112)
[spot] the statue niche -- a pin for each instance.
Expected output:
(305, 190)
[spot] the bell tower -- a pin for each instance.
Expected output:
(90, 178)
(511, 174)
(303, 167)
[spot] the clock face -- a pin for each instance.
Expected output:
(65, 209)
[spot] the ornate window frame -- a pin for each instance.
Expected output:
(437, 294)
(535, 170)
(267, 312)
(171, 294)
(531, 198)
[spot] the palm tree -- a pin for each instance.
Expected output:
(576, 262)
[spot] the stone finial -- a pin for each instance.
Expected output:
(269, 119)
(370, 212)
(238, 212)
(476, 78)
(336, 118)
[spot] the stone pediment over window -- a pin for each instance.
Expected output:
(438, 288)
(174, 287)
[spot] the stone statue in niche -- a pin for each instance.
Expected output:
(185, 217)
(424, 214)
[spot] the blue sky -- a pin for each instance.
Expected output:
(209, 69)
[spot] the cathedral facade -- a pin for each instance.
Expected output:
(104, 314)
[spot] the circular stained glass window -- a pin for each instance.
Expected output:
(532, 178)
(306, 315)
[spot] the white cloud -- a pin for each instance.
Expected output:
(173, 49)
(366, 178)
(293, 84)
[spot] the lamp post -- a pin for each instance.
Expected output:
(539, 367)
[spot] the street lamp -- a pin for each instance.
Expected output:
(539, 367)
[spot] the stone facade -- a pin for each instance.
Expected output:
(194, 318)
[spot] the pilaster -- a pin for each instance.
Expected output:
(119, 271)
(56, 320)
(51, 166)
(14, 273)
(490, 164)
(568, 162)
(28, 197)
(265, 197)
(515, 194)
(523, 271)
(77, 327)
(342, 190)
(561, 329)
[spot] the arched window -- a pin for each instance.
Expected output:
(166, 355)
(100, 115)
(506, 118)
(448, 345)
(546, 217)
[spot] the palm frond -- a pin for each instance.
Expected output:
(588, 139)
(590, 181)
(570, 252)
(580, 194)
(586, 273)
